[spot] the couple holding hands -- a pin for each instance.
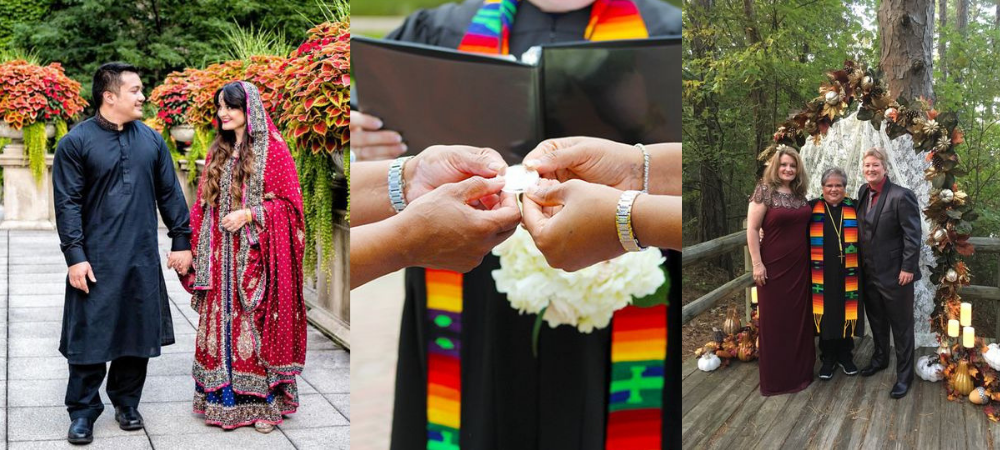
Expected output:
(861, 257)
(452, 207)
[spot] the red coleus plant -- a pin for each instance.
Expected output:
(30, 93)
(173, 98)
(265, 72)
(316, 98)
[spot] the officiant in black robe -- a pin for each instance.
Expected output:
(509, 398)
(110, 174)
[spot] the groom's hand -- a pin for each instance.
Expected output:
(443, 230)
(180, 261)
(905, 277)
(439, 165)
(79, 273)
(573, 223)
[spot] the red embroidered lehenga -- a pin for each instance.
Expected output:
(247, 288)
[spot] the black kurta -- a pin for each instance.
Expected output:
(831, 326)
(108, 185)
(511, 399)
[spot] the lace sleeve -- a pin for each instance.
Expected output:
(761, 194)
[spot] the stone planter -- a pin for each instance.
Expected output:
(7, 132)
(328, 295)
(28, 204)
(182, 133)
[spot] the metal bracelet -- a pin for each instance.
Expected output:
(397, 184)
(645, 167)
(623, 221)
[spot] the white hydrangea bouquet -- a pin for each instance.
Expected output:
(585, 299)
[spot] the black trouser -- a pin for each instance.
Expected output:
(125, 381)
(891, 308)
(836, 350)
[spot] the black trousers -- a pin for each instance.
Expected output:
(891, 310)
(836, 350)
(125, 381)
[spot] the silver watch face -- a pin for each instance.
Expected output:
(519, 179)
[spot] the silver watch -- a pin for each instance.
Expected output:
(397, 184)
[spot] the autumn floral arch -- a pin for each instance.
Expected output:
(857, 88)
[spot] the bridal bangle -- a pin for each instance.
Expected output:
(623, 221)
(397, 184)
(645, 167)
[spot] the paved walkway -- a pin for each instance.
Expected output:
(33, 374)
(376, 311)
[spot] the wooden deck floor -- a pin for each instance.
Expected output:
(724, 409)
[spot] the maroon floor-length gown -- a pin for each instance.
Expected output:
(787, 352)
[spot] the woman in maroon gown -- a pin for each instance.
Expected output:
(781, 271)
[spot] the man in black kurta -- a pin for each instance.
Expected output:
(840, 238)
(110, 174)
(511, 399)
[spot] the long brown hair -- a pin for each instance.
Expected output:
(222, 147)
(771, 178)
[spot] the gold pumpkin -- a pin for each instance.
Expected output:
(978, 396)
(962, 381)
(732, 324)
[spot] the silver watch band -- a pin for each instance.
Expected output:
(397, 184)
(623, 221)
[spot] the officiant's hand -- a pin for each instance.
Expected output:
(572, 223)
(369, 142)
(442, 164)
(443, 230)
(590, 159)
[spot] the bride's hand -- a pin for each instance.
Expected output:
(572, 223)
(759, 274)
(589, 159)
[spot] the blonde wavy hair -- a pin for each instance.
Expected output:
(771, 178)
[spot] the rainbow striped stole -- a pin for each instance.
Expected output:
(444, 372)
(489, 31)
(850, 236)
(638, 354)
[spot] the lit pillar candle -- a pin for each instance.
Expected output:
(969, 337)
(966, 314)
(953, 328)
(753, 295)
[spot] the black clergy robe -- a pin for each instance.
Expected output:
(510, 399)
(107, 186)
(832, 324)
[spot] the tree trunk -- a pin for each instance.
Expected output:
(962, 24)
(942, 43)
(758, 96)
(712, 207)
(906, 28)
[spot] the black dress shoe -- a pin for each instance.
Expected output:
(81, 431)
(128, 418)
(899, 390)
(872, 369)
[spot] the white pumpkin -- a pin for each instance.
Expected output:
(992, 356)
(709, 362)
(929, 368)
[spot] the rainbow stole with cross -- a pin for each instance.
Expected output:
(850, 236)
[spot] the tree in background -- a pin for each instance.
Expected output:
(159, 36)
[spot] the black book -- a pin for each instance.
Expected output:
(628, 91)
